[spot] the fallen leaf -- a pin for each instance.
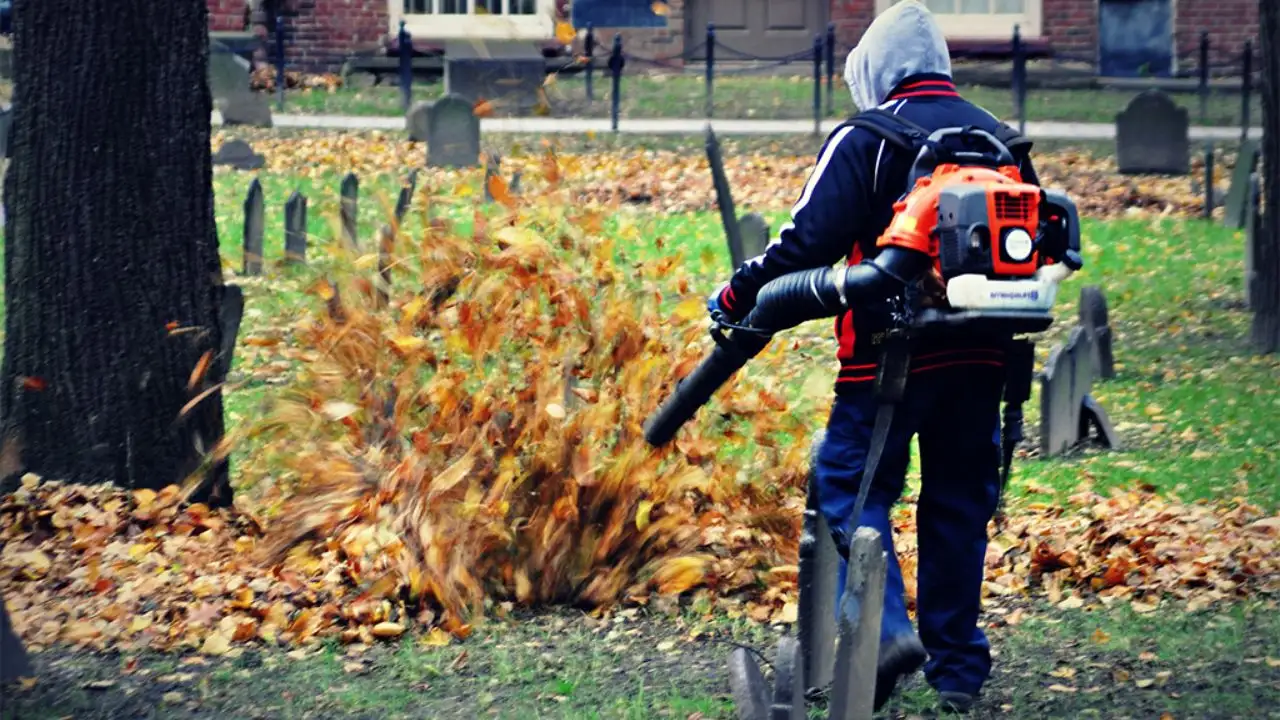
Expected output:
(216, 644)
(1062, 688)
(436, 637)
(386, 630)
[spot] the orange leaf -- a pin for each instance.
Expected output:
(660, 8)
(482, 108)
(498, 189)
(202, 366)
(565, 32)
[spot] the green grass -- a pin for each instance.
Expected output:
(760, 97)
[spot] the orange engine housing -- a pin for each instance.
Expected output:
(970, 220)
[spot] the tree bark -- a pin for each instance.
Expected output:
(1266, 316)
(112, 273)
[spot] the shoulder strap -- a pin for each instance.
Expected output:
(894, 129)
(1017, 143)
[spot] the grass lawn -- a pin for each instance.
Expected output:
(1196, 410)
(762, 97)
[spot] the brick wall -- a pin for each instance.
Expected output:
(1229, 22)
(227, 15)
(1071, 27)
(325, 32)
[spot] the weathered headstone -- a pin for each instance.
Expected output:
(1237, 201)
(755, 235)
(230, 313)
(819, 569)
(406, 196)
(747, 686)
(858, 646)
(228, 78)
(1067, 410)
(453, 133)
(6, 131)
(724, 200)
(416, 121)
(1252, 223)
(1093, 317)
(295, 229)
(239, 155)
(507, 74)
(14, 662)
(1153, 136)
(788, 682)
(246, 108)
(349, 202)
(253, 229)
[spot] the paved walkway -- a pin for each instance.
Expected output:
(685, 126)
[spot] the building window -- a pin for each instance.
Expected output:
(982, 19)
(480, 19)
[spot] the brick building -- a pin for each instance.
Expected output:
(1117, 34)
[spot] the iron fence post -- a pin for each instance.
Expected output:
(590, 46)
(280, 82)
(711, 68)
(616, 63)
(405, 43)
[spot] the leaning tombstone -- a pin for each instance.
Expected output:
(755, 235)
(858, 643)
(239, 155)
(349, 199)
(228, 78)
(453, 133)
(230, 314)
(1093, 317)
(747, 686)
(295, 229)
(724, 199)
(253, 229)
(788, 682)
(1153, 136)
(1238, 194)
(415, 121)
(245, 108)
(1253, 221)
(1057, 418)
(510, 71)
(819, 569)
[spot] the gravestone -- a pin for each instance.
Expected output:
(507, 74)
(416, 121)
(230, 313)
(858, 631)
(14, 662)
(1067, 410)
(1152, 136)
(1237, 202)
(724, 200)
(295, 229)
(788, 682)
(253, 229)
(6, 132)
(239, 155)
(349, 200)
(1253, 220)
(405, 198)
(819, 573)
(748, 687)
(1093, 317)
(453, 133)
(228, 78)
(755, 235)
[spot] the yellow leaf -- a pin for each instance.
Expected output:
(556, 410)
(451, 475)
(408, 343)
(1064, 672)
(388, 630)
(660, 8)
(36, 564)
(1144, 683)
(689, 310)
(1100, 636)
(436, 638)
(565, 32)
(339, 410)
(140, 623)
(679, 574)
(1062, 688)
(216, 644)
(642, 514)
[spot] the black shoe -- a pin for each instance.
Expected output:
(901, 657)
(951, 701)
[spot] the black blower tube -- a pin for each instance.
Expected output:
(782, 304)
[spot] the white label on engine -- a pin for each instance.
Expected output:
(1018, 244)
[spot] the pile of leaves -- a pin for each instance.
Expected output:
(265, 78)
(681, 181)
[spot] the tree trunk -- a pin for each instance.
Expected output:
(112, 273)
(1266, 316)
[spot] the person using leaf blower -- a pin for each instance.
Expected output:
(948, 251)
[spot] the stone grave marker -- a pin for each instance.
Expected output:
(755, 235)
(416, 121)
(748, 687)
(858, 631)
(1253, 220)
(1153, 136)
(507, 74)
(349, 199)
(724, 200)
(1235, 215)
(406, 196)
(295, 229)
(788, 682)
(453, 133)
(253, 229)
(1093, 317)
(230, 313)
(228, 79)
(239, 155)
(819, 573)
(1067, 410)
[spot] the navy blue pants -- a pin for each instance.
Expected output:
(956, 413)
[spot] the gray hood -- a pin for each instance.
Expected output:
(904, 40)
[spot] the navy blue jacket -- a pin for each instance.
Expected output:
(846, 205)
